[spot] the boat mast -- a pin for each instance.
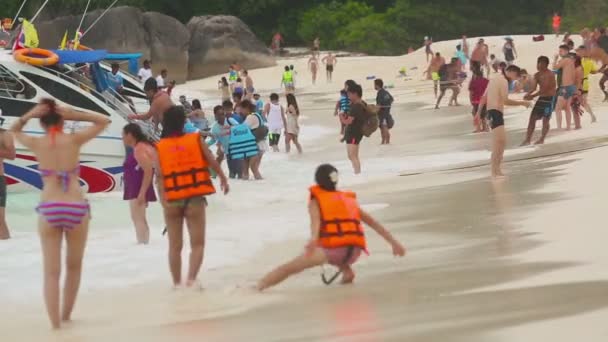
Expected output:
(18, 12)
(40, 10)
(86, 9)
(98, 18)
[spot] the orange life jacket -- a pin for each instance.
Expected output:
(183, 167)
(340, 219)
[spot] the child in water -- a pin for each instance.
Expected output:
(337, 236)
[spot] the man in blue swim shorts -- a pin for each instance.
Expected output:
(564, 63)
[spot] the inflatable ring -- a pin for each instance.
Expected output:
(30, 56)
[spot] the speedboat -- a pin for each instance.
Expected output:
(77, 81)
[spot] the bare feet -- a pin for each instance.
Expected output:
(539, 142)
(525, 143)
(348, 276)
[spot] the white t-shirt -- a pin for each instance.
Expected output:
(160, 81)
(144, 74)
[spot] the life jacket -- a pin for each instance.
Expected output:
(233, 75)
(184, 169)
(340, 219)
(242, 143)
(288, 77)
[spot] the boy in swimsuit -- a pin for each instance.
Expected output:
(330, 61)
(564, 63)
(544, 79)
(496, 98)
(317, 253)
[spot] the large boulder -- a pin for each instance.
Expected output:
(160, 38)
(218, 41)
(168, 40)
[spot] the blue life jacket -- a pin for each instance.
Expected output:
(242, 142)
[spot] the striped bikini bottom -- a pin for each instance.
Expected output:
(63, 215)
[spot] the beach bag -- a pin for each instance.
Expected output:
(371, 121)
(261, 132)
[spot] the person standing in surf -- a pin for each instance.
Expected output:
(184, 181)
(64, 211)
(496, 98)
(313, 66)
(353, 133)
(589, 68)
(138, 176)
(275, 115)
(509, 51)
(544, 80)
(336, 232)
(427, 48)
(564, 64)
(161, 102)
(292, 127)
(330, 62)
(7, 151)
(384, 101)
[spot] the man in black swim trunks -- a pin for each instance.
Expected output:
(330, 60)
(496, 98)
(544, 79)
(353, 133)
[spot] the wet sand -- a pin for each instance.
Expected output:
(514, 260)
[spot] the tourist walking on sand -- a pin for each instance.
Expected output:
(313, 66)
(495, 99)
(589, 68)
(477, 87)
(544, 80)
(330, 62)
(509, 51)
(277, 40)
(7, 151)
(275, 114)
(353, 133)
(160, 102)
(433, 71)
(316, 46)
(564, 64)
(224, 89)
(384, 101)
(427, 48)
(64, 211)
(557, 23)
(184, 197)
(292, 128)
(138, 176)
(337, 237)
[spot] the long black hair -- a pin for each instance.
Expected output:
(174, 120)
(196, 104)
(291, 101)
(135, 130)
(50, 118)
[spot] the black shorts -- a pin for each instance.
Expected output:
(496, 118)
(274, 139)
(386, 120)
(329, 68)
(543, 107)
(2, 192)
(484, 111)
(351, 138)
(445, 85)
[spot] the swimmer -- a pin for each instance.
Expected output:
(313, 66)
(330, 62)
(544, 80)
(338, 244)
(496, 98)
(564, 64)
(64, 211)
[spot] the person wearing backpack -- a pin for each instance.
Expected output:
(259, 130)
(384, 101)
(292, 128)
(354, 131)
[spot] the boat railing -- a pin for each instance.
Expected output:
(10, 84)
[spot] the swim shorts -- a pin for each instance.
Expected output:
(543, 107)
(567, 92)
(386, 120)
(2, 192)
(197, 200)
(496, 118)
(435, 76)
(341, 256)
(330, 68)
(352, 138)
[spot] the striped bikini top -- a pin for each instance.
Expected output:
(64, 176)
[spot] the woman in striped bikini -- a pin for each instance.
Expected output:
(64, 212)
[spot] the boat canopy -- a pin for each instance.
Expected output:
(132, 58)
(75, 57)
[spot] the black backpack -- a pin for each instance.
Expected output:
(371, 123)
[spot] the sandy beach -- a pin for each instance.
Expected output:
(523, 259)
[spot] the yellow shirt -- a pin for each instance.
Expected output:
(588, 67)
